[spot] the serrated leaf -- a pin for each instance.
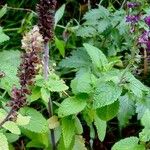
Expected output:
(22, 120)
(144, 135)
(53, 122)
(78, 126)
(78, 59)
(68, 131)
(82, 83)
(130, 143)
(59, 14)
(37, 122)
(3, 114)
(106, 93)
(101, 127)
(3, 36)
(9, 67)
(79, 143)
(12, 127)
(98, 58)
(3, 142)
(56, 85)
(45, 94)
(103, 25)
(145, 120)
(108, 112)
(126, 110)
(72, 105)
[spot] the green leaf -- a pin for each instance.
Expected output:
(68, 131)
(103, 25)
(78, 59)
(108, 112)
(72, 105)
(79, 143)
(106, 93)
(145, 120)
(78, 126)
(130, 143)
(101, 127)
(98, 58)
(45, 94)
(37, 122)
(3, 142)
(60, 46)
(9, 67)
(55, 84)
(144, 135)
(3, 114)
(3, 36)
(35, 95)
(53, 122)
(11, 138)
(3, 11)
(12, 127)
(82, 83)
(126, 110)
(22, 120)
(59, 14)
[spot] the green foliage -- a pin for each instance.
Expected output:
(106, 93)
(3, 142)
(3, 36)
(72, 105)
(37, 122)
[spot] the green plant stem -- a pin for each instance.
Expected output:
(50, 104)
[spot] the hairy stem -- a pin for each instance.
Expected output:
(50, 104)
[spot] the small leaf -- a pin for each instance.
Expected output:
(106, 93)
(78, 126)
(22, 120)
(12, 127)
(3, 114)
(145, 135)
(45, 94)
(3, 142)
(53, 122)
(71, 105)
(60, 46)
(101, 127)
(130, 143)
(98, 58)
(36, 94)
(108, 112)
(3, 11)
(145, 120)
(59, 14)
(68, 131)
(3, 36)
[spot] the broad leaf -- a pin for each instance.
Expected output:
(108, 112)
(98, 58)
(3, 142)
(37, 122)
(22, 120)
(106, 93)
(130, 143)
(72, 105)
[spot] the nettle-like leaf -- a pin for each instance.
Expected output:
(3, 142)
(99, 60)
(79, 143)
(68, 130)
(12, 127)
(9, 67)
(145, 120)
(108, 112)
(130, 143)
(78, 126)
(83, 82)
(3, 114)
(134, 85)
(106, 93)
(11, 138)
(101, 127)
(144, 135)
(78, 59)
(126, 110)
(72, 105)
(37, 122)
(103, 25)
(45, 94)
(22, 120)
(3, 36)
